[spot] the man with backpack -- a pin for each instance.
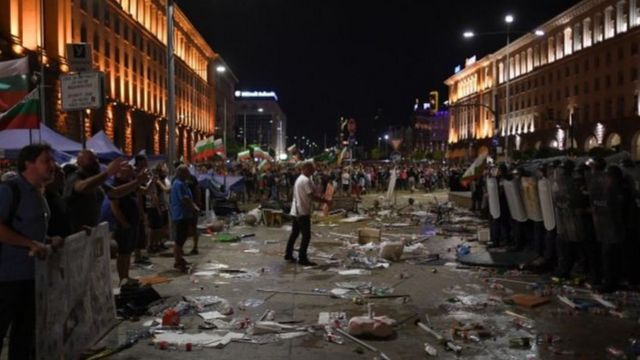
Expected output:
(24, 218)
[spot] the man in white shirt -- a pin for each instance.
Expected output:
(301, 207)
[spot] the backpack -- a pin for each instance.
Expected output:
(15, 200)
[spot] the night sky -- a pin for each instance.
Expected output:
(333, 58)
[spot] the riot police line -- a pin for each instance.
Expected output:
(580, 216)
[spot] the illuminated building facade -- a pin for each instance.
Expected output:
(260, 120)
(575, 87)
(129, 40)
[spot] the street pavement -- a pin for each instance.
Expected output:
(445, 292)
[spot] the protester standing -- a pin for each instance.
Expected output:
(24, 217)
(301, 207)
(183, 211)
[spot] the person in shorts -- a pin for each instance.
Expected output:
(183, 210)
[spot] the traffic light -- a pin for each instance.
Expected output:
(434, 101)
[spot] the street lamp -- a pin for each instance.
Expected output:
(221, 69)
(508, 19)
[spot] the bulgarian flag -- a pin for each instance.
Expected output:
(204, 148)
(14, 82)
(474, 171)
(261, 154)
(244, 155)
(218, 148)
(342, 155)
(23, 115)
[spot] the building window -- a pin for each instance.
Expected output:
(608, 110)
(116, 51)
(567, 72)
(597, 115)
(634, 48)
(586, 88)
(576, 69)
(620, 78)
(576, 90)
(634, 74)
(126, 60)
(620, 53)
(607, 81)
(83, 5)
(96, 42)
(107, 49)
(596, 84)
(596, 61)
(96, 9)
(566, 91)
(107, 16)
(558, 95)
(585, 113)
(621, 107)
(607, 57)
(586, 65)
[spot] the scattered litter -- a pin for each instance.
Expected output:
(154, 280)
(202, 339)
(354, 219)
(369, 235)
(336, 319)
(529, 301)
(211, 315)
(354, 272)
(250, 303)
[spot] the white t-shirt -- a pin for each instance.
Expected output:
(302, 191)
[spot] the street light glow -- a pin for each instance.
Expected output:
(220, 69)
(508, 19)
(386, 136)
(468, 34)
(260, 110)
(539, 33)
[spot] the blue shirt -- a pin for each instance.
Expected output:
(30, 220)
(179, 191)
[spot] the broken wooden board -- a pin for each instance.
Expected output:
(529, 301)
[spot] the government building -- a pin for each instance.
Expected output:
(129, 39)
(572, 85)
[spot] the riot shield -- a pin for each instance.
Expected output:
(529, 188)
(546, 204)
(566, 200)
(607, 213)
(494, 199)
(514, 200)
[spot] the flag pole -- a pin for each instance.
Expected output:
(42, 89)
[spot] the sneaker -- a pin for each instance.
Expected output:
(182, 267)
(306, 262)
(290, 259)
(194, 252)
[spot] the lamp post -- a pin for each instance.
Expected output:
(508, 19)
(221, 69)
(386, 148)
